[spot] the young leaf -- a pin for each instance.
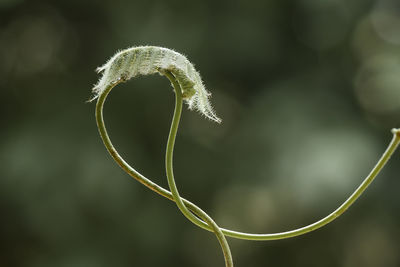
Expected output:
(146, 60)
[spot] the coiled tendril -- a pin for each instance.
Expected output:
(188, 87)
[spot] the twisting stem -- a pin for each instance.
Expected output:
(165, 193)
(170, 174)
(209, 224)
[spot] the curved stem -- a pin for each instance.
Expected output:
(170, 174)
(208, 223)
(235, 234)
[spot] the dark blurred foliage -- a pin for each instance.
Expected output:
(308, 91)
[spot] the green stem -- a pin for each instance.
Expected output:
(170, 174)
(247, 236)
(209, 224)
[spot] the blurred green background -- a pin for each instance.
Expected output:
(308, 91)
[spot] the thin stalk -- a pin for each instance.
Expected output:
(235, 234)
(209, 224)
(170, 174)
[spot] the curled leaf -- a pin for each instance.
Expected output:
(145, 60)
